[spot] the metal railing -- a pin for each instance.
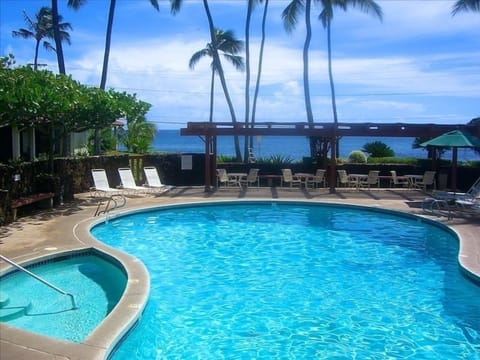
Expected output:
(43, 281)
(111, 199)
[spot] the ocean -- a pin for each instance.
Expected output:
(294, 147)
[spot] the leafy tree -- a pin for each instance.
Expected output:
(41, 28)
(378, 149)
(431, 150)
(7, 62)
(465, 5)
(229, 46)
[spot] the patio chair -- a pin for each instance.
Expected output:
(316, 180)
(471, 194)
(372, 179)
(343, 179)
(101, 186)
(251, 178)
(153, 180)
(399, 181)
(427, 180)
(224, 179)
(289, 178)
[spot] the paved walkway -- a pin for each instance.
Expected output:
(52, 230)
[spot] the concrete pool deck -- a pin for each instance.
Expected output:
(57, 230)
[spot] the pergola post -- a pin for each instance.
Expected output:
(208, 175)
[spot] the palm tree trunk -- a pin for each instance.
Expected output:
(108, 39)
(333, 159)
(306, 82)
(247, 75)
(58, 40)
(221, 74)
(35, 60)
(259, 72)
(212, 90)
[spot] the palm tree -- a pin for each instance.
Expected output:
(290, 19)
(326, 16)
(229, 46)
(41, 28)
(466, 5)
(221, 75)
(260, 62)
(56, 37)
(250, 8)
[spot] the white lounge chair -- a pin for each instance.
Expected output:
(101, 186)
(153, 180)
(289, 178)
(471, 194)
(251, 178)
(127, 182)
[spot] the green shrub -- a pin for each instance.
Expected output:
(378, 149)
(357, 157)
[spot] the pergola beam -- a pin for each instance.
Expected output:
(210, 130)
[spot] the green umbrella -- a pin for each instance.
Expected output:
(454, 139)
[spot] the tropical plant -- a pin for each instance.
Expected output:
(40, 29)
(139, 136)
(378, 149)
(357, 157)
(465, 5)
(229, 46)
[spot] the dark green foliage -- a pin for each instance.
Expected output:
(378, 149)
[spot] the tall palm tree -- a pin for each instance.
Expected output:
(226, 43)
(466, 5)
(221, 75)
(250, 7)
(326, 16)
(41, 28)
(290, 17)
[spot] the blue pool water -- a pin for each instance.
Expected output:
(296, 281)
(96, 284)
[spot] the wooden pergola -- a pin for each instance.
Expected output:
(209, 131)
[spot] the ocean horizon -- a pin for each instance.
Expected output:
(294, 147)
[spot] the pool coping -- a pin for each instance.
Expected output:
(102, 341)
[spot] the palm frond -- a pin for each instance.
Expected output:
(466, 5)
(291, 13)
(235, 60)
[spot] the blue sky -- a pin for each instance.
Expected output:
(419, 65)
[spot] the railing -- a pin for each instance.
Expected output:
(111, 199)
(43, 281)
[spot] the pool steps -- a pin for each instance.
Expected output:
(10, 310)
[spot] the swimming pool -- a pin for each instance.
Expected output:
(296, 280)
(97, 284)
